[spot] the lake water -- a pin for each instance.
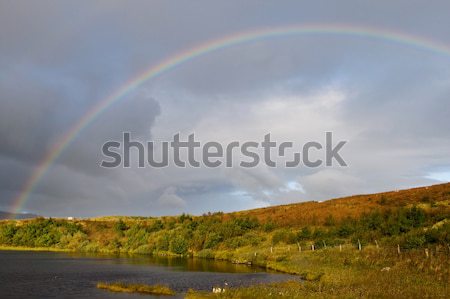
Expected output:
(66, 275)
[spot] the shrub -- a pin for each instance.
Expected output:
(268, 226)
(229, 229)
(120, 226)
(136, 236)
(212, 240)
(416, 216)
(157, 225)
(345, 230)
(372, 221)
(179, 245)
(284, 236)
(7, 233)
(304, 234)
(163, 242)
(197, 240)
(413, 241)
(184, 217)
(250, 238)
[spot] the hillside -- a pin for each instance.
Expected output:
(392, 217)
(317, 213)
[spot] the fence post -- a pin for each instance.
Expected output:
(312, 247)
(359, 245)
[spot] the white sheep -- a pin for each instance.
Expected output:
(218, 290)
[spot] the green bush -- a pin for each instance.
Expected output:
(163, 242)
(120, 226)
(246, 223)
(304, 234)
(7, 233)
(285, 236)
(250, 239)
(268, 226)
(412, 241)
(179, 245)
(157, 225)
(136, 236)
(416, 216)
(212, 240)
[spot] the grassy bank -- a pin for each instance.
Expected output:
(350, 273)
(27, 248)
(136, 288)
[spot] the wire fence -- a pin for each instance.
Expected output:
(291, 248)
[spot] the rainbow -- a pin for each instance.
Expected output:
(203, 49)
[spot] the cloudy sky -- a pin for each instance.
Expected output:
(390, 101)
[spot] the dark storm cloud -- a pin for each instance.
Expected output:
(58, 59)
(135, 115)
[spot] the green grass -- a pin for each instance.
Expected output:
(136, 288)
(24, 248)
(331, 273)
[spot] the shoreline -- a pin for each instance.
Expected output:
(37, 249)
(373, 272)
(274, 266)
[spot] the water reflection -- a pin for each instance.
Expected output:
(176, 263)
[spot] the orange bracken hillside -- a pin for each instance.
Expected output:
(316, 213)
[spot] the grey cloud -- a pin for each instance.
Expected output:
(135, 114)
(57, 60)
(170, 199)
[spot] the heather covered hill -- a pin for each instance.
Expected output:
(412, 218)
(318, 213)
